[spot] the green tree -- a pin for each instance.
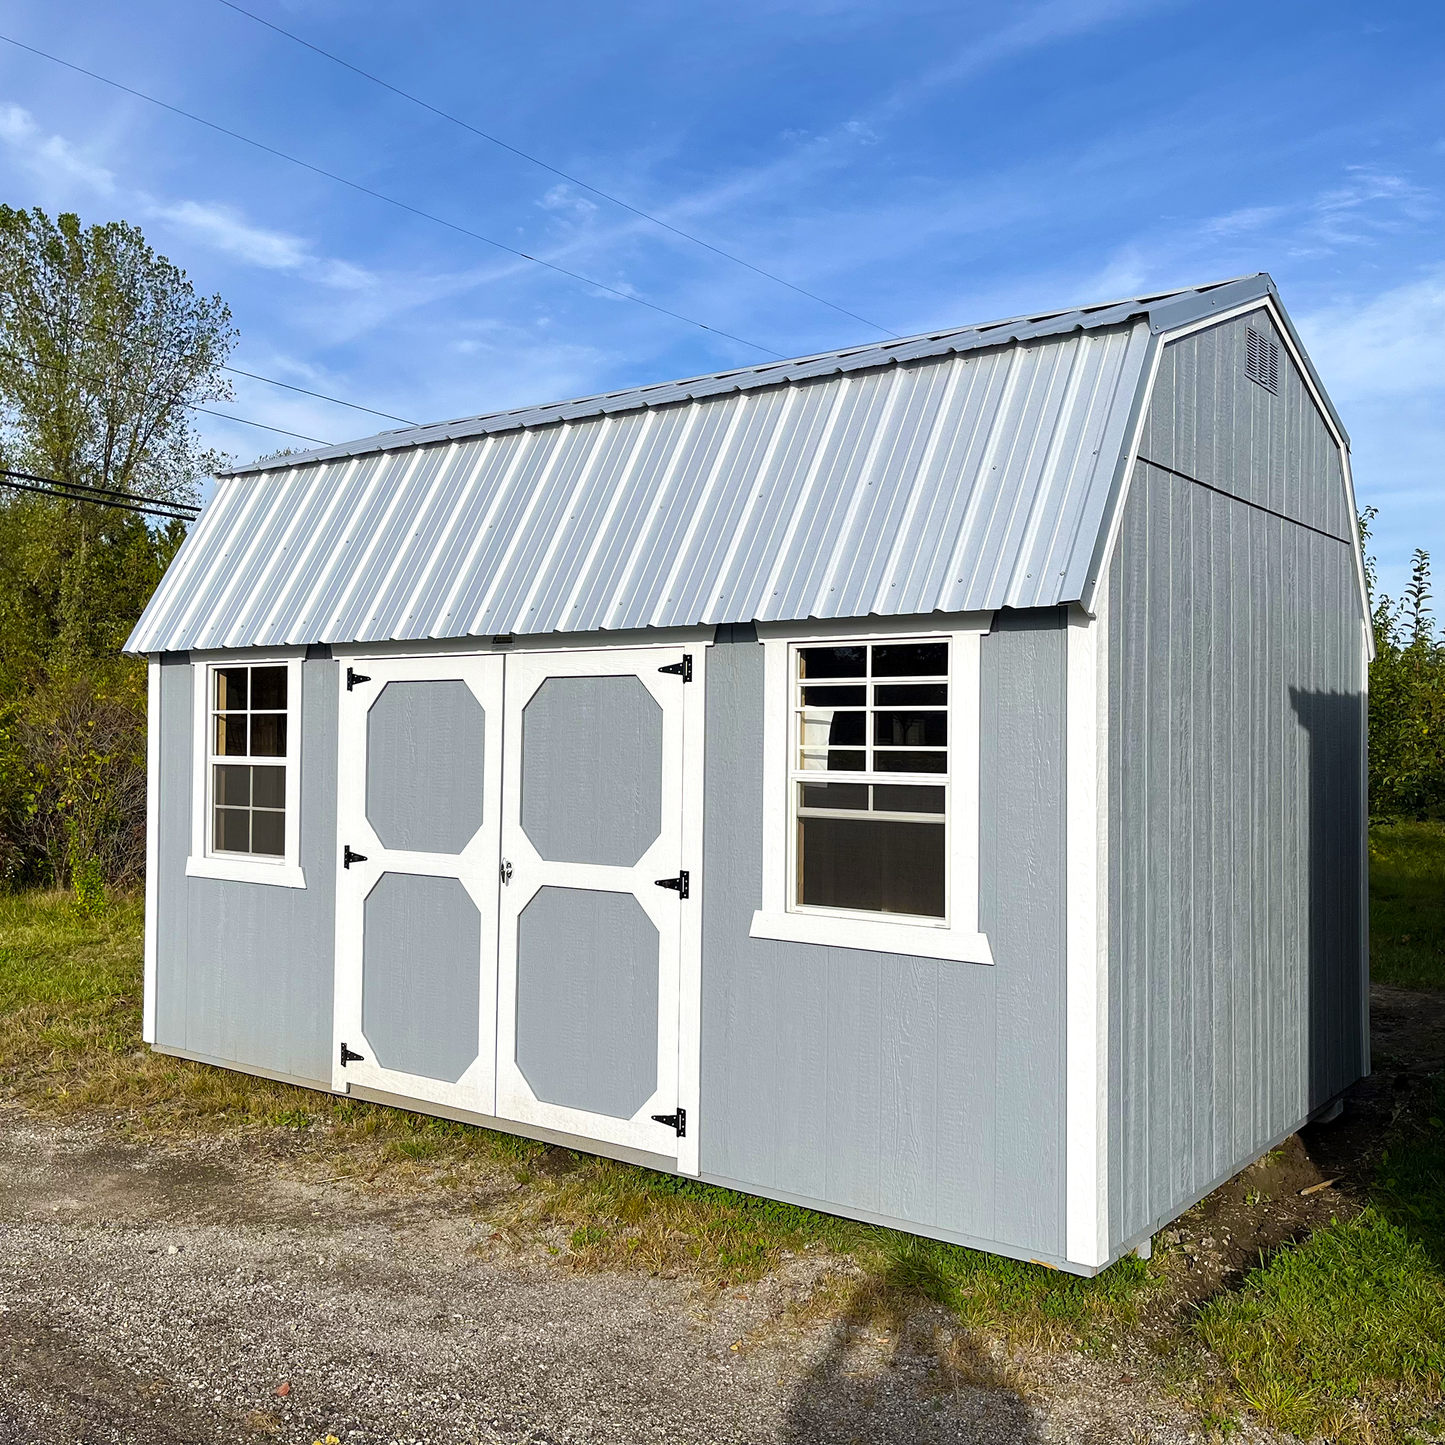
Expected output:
(105, 348)
(1407, 695)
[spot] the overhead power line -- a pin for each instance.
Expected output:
(389, 200)
(319, 395)
(547, 166)
(264, 426)
(96, 496)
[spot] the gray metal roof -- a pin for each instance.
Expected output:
(967, 469)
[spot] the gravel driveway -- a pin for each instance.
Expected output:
(155, 1293)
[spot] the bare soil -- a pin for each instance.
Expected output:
(227, 1289)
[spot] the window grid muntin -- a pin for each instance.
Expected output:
(798, 775)
(218, 734)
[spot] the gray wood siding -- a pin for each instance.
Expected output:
(244, 971)
(1209, 421)
(1236, 747)
(911, 1090)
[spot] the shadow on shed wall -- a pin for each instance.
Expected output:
(1338, 1038)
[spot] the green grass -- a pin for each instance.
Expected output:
(1344, 1335)
(70, 1000)
(1407, 904)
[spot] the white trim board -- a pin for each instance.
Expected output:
(1086, 1073)
(153, 848)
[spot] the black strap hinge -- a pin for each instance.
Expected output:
(683, 669)
(348, 857)
(352, 678)
(676, 1121)
(679, 883)
(350, 1056)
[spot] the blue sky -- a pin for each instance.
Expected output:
(918, 163)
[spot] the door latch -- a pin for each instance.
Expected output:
(350, 1056)
(506, 870)
(679, 883)
(676, 1121)
(352, 678)
(348, 857)
(683, 669)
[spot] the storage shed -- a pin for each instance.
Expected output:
(924, 782)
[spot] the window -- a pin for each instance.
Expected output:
(248, 798)
(870, 807)
(245, 809)
(872, 838)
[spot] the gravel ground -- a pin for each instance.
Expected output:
(198, 1293)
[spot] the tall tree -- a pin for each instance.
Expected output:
(104, 347)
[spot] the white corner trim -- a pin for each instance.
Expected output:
(1086, 1009)
(153, 841)
(246, 870)
(919, 940)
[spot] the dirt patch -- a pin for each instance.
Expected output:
(1318, 1175)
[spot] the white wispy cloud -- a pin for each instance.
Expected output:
(50, 157)
(227, 230)
(1391, 345)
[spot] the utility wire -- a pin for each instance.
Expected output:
(226, 416)
(381, 196)
(537, 161)
(319, 395)
(255, 376)
(74, 492)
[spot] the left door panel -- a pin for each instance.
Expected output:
(419, 784)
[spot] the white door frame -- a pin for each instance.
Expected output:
(677, 847)
(475, 867)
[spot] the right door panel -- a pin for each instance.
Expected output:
(587, 1017)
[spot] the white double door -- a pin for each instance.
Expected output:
(517, 922)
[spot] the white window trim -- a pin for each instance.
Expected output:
(285, 872)
(958, 939)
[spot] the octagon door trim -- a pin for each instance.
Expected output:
(473, 866)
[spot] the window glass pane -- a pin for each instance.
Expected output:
(910, 659)
(900, 798)
(268, 688)
(910, 729)
(832, 661)
(230, 688)
(233, 786)
(268, 833)
(233, 830)
(902, 693)
(847, 762)
(836, 795)
(231, 736)
(268, 735)
(910, 762)
(835, 696)
(268, 787)
(871, 865)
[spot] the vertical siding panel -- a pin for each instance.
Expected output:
(1234, 699)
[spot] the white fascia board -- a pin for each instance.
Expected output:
(1086, 944)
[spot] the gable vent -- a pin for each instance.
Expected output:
(1261, 360)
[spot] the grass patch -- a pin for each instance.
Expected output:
(1407, 904)
(1344, 1335)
